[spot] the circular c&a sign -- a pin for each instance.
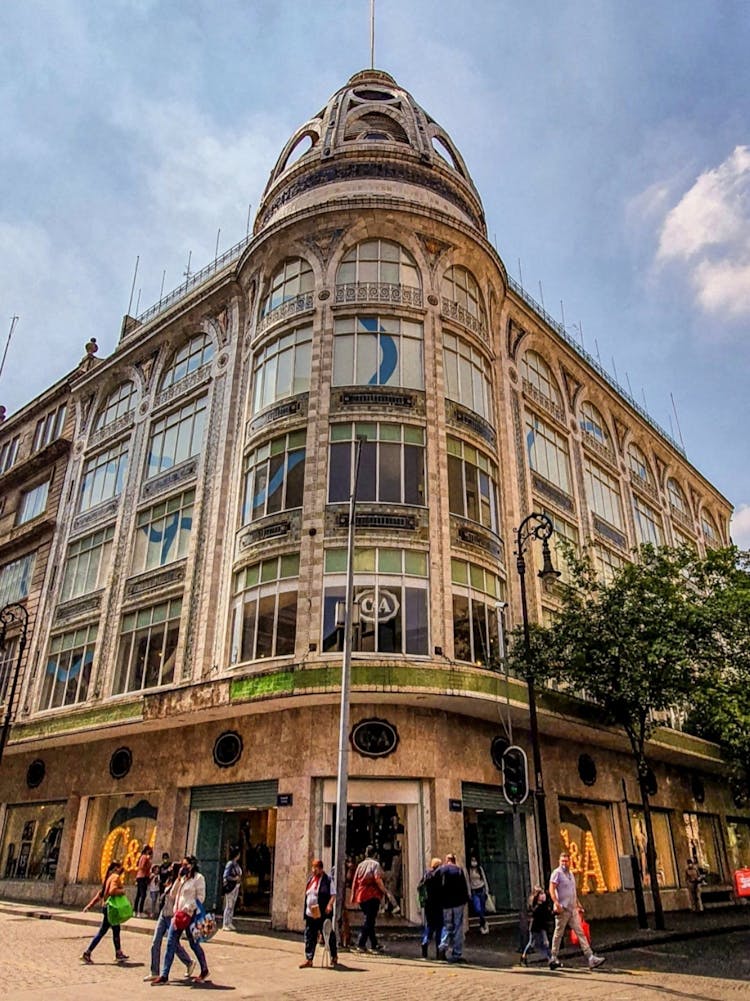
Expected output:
(378, 606)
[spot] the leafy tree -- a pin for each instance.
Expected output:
(631, 645)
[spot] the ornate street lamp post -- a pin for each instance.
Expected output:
(12, 615)
(535, 526)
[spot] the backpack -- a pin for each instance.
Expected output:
(422, 892)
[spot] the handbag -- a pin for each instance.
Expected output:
(586, 931)
(119, 909)
(489, 904)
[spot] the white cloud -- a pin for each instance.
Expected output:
(708, 232)
(740, 526)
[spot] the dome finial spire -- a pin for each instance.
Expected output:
(372, 34)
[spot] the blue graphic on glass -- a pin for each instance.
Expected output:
(168, 534)
(388, 351)
(64, 674)
(293, 459)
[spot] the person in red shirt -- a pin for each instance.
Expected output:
(368, 889)
(142, 876)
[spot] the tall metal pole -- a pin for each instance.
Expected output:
(11, 615)
(342, 782)
(526, 531)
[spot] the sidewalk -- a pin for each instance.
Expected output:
(499, 949)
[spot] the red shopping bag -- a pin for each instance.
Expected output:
(586, 931)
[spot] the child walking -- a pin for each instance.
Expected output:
(538, 939)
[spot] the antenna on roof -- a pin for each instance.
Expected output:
(541, 294)
(247, 230)
(598, 356)
(132, 287)
(614, 367)
(13, 322)
(216, 252)
(520, 273)
(161, 290)
(562, 311)
(679, 429)
(187, 272)
(372, 34)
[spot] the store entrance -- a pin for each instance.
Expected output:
(384, 827)
(502, 852)
(254, 831)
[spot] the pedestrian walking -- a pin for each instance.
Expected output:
(165, 871)
(188, 900)
(479, 892)
(564, 895)
(154, 882)
(694, 880)
(539, 914)
(142, 877)
(231, 883)
(431, 899)
(113, 885)
(163, 922)
(455, 896)
(320, 895)
(368, 889)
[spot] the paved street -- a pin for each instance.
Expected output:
(40, 960)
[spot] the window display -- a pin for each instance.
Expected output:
(702, 837)
(666, 871)
(31, 840)
(116, 827)
(587, 833)
(738, 844)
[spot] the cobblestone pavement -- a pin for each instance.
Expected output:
(39, 959)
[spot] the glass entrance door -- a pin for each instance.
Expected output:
(254, 831)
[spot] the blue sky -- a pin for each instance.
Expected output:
(610, 143)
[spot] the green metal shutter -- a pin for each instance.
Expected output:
(481, 797)
(234, 795)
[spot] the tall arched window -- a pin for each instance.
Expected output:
(380, 261)
(194, 354)
(293, 278)
(119, 402)
(640, 468)
(710, 532)
(677, 500)
(282, 368)
(538, 378)
(460, 286)
(592, 424)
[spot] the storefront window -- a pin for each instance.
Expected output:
(738, 844)
(702, 836)
(587, 832)
(116, 827)
(666, 871)
(31, 840)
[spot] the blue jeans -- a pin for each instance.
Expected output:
(173, 939)
(453, 932)
(538, 940)
(478, 899)
(103, 929)
(162, 927)
(433, 926)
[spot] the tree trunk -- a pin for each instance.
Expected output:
(650, 847)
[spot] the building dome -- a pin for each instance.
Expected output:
(372, 138)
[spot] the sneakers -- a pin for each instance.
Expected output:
(457, 959)
(190, 968)
(396, 910)
(307, 962)
(379, 947)
(555, 964)
(595, 961)
(485, 929)
(204, 975)
(86, 958)
(120, 956)
(158, 980)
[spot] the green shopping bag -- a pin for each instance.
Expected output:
(119, 909)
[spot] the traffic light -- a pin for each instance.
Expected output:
(515, 775)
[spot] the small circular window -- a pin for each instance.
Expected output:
(498, 747)
(586, 769)
(35, 774)
(374, 738)
(120, 763)
(228, 749)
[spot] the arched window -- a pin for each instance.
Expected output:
(119, 402)
(640, 470)
(194, 354)
(374, 125)
(282, 368)
(467, 376)
(379, 261)
(538, 378)
(293, 278)
(460, 286)
(710, 533)
(677, 500)
(592, 424)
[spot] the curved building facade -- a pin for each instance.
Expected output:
(183, 679)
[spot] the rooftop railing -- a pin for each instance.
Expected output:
(579, 349)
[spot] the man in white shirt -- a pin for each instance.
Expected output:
(562, 891)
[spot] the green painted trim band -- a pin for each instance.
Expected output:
(69, 723)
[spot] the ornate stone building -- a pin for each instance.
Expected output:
(183, 679)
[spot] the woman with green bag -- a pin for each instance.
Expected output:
(112, 887)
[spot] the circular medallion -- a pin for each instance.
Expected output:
(35, 774)
(498, 747)
(228, 749)
(120, 763)
(324, 294)
(374, 738)
(432, 299)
